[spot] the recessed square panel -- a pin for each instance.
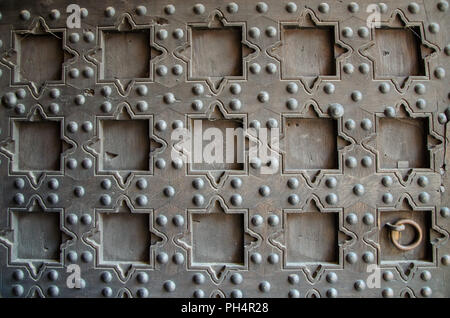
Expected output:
(41, 57)
(308, 52)
(311, 143)
(312, 237)
(125, 237)
(218, 238)
(232, 145)
(402, 143)
(389, 252)
(216, 52)
(125, 144)
(37, 235)
(398, 52)
(126, 54)
(39, 145)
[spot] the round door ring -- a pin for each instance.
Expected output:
(399, 226)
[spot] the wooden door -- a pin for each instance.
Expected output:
(102, 196)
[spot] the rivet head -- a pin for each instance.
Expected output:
(384, 88)
(439, 72)
(413, 7)
(356, 96)
(273, 220)
(293, 199)
(262, 7)
(110, 12)
(9, 100)
(387, 181)
(425, 276)
(332, 199)
(351, 219)
(364, 68)
(421, 103)
(351, 258)
(434, 27)
(178, 258)
(332, 277)
(256, 258)
(106, 277)
(169, 9)
(423, 181)
(79, 191)
(264, 190)
(178, 220)
(293, 279)
(336, 110)
(332, 293)
(141, 10)
(368, 257)
(387, 198)
(263, 97)
(363, 32)
(106, 184)
(291, 7)
(236, 183)
(294, 293)
(366, 124)
(169, 191)
(264, 286)
(388, 276)
(169, 286)
(86, 219)
(292, 88)
(368, 219)
(351, 162)
(255, 68)
(331, 182)
(53, 291)
(107, 292)
(198, 199)
(235, 104)
(389, 111)
(199, 8)
(366, 161)
(161, 220)
(359, 285)
(387, 292)
(424, 197)
(347, 32)
(254, 32)
(19, 183)
(236, 199)
(25, 15)
(353, 7)
(292, 103)
(198, 279)
(141, 200)
(445, 212)
(426, 291)
(292, 183)
(273, 258)
(236, 293)
(420, 89)
(445, 260)
(162, 258)
(324, 7)
(358, 189)
(197, 105)
(348, 68)
(18, 275)
(442, 5)
(271, 31)
(329, 88)
(162, 34)
(105, 199)
(236, 279)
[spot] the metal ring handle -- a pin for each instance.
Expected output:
(397, 227)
